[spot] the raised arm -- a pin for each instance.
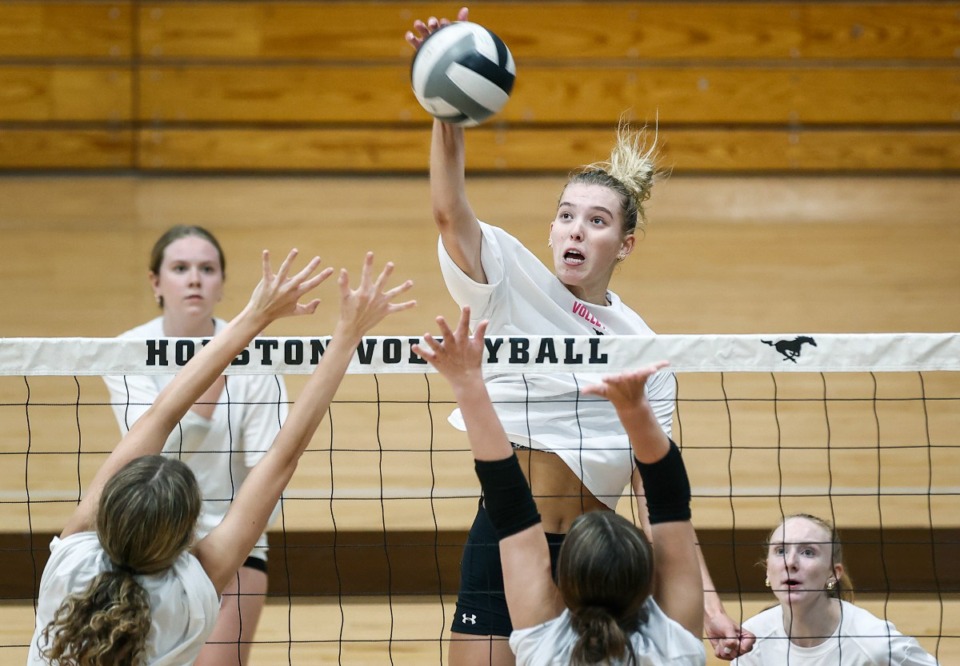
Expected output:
(678, 587)
(277, 295)
(223, 550)
(532, 596)
(455, 219)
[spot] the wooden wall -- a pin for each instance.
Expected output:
(312, 86)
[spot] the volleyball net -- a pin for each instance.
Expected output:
(860, 429)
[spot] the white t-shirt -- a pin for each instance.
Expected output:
(661, 641)
(183, 602)
(523, 297)
(221, 451)
(861, 639)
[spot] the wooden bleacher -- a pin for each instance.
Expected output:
(291, 86)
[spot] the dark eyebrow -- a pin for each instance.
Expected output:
(600, 208)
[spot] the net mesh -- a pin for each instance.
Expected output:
(861, 430)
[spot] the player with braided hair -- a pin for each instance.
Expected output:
(572, 448)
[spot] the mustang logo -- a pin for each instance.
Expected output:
(791, 348)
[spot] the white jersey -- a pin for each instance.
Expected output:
(221, 451)
(861, 639)
(547, 412)
(660, 641)
(183, 602)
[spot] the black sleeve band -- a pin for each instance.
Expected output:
(506, 496)
(666, 487)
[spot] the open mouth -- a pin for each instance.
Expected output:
(573, 257)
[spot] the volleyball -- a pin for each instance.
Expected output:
(463, 74)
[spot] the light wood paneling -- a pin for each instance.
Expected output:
(288, 85)
(64, 93)
(66, 149)
(560, 31)
(515, 149)
(544, 94)
(44, 29)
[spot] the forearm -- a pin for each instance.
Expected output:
(315, 398)
(711, 599)
(195, 377)
(250, 512)
(647, 438)
(148, 435)
(488, 440)
(448, 192)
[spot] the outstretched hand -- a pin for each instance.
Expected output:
(364, 307)
(459, 354)
(423, 30)
(278, 295)
(729, 639)
(626, 389)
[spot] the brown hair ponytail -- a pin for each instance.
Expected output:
(145, 520)
(599, 637)
(105, 625)
(605, 575)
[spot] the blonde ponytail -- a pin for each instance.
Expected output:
(631, 172)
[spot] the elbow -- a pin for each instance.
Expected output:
(443, 217)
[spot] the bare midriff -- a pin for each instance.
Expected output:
(559, 493)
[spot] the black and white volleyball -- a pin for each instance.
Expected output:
(463, 74)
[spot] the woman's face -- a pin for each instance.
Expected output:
(190, 280)
(800, 562)
(587, 239)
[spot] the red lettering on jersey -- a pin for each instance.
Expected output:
(582, 311)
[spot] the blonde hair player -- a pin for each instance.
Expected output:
(126, 583)
(220, 442)
(815, 622)
(577, 460)
(618, 597)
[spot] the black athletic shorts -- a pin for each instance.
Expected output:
(253, 562)
(481, 603)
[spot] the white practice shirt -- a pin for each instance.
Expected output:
(221, 451)
(183, 602)
(660, 642)
(523, 297)
(861, 639)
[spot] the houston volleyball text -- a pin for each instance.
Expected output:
(297, 351)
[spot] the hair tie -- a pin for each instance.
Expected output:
(125, 568)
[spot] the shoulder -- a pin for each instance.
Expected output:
(149, 329)
(78, 543)
(502, 239)
(852, 614)
(879, 641)
(534, 645)
(189, 569)
(765, 622)
(73, 561)
(669, 637)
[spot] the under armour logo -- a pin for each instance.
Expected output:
(472, 619)
(791, 348)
